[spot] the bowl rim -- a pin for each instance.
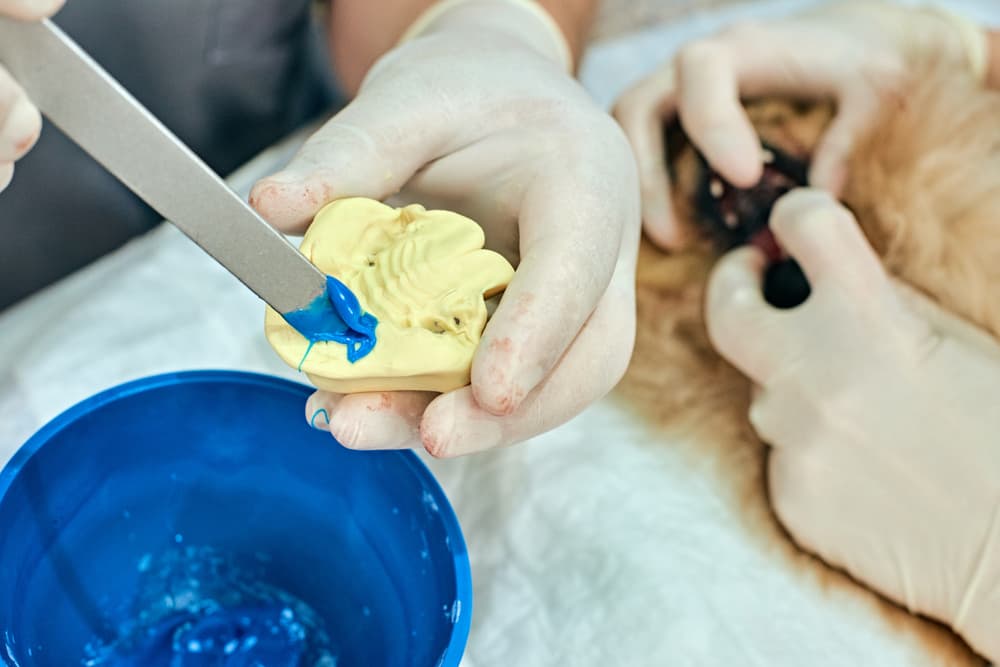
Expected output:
(455, 649)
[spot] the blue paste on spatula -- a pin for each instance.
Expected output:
(336, 316)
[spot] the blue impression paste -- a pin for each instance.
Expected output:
(199, 607)
(336, 316)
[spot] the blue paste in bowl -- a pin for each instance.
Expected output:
(195, 520)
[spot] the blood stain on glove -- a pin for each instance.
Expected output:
(423, 274)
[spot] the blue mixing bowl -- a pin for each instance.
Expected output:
(195, 520)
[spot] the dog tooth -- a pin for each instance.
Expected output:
(715, 187)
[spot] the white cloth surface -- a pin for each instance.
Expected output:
(595, 544)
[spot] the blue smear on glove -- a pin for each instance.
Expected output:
(336, 316)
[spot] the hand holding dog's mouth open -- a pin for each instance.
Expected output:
(857, 54)
(881, 411)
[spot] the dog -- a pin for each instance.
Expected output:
(924, 184)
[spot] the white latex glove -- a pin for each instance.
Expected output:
(856, 53)
(478, 114)
(20, 122)
(882, 413)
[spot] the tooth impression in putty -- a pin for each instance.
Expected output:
(423, 274)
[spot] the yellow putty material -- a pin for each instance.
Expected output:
(423, 274)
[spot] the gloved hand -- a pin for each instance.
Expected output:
(478, 114)
(856, 53)
(881, 411)
(20, 122)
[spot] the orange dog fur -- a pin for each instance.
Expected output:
(925, 186)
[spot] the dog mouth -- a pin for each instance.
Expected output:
(735, 217)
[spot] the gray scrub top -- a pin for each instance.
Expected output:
(229, 77)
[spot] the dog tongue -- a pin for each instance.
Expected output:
(765, 241)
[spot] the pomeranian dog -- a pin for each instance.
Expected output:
(924, 184)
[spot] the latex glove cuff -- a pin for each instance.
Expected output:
(972, 37)
(550, 37)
